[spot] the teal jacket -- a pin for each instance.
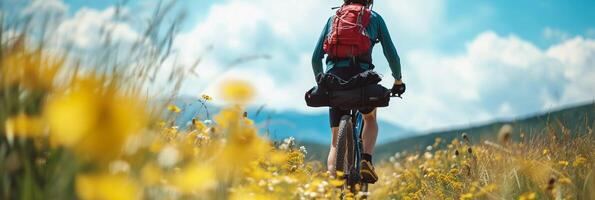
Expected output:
(377, 31)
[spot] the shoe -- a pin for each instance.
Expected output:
(367, 172)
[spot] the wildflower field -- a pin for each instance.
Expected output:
(74, 126)
(550, 166)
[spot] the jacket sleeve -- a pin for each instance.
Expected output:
(390, 52)
(318, 54)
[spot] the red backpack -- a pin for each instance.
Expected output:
(348, 38)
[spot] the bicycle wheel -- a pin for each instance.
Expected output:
(344, 161)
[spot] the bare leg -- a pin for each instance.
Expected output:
(370, 132)
(332, 154)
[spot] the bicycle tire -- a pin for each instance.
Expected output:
(345, 158)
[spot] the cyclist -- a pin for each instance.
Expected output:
(346, 68)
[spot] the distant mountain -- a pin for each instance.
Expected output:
(278, 125)
(576, 119)
(315, 127)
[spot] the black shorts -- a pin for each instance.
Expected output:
(345, 73)
(335, 114)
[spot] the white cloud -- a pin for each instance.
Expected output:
(415, 24)
(276, 28)
(489, 47)
(421, 17)
(505, 109)
(46, 6)
(577, 58)
(39, 13)
(497, 77)
(88, 28)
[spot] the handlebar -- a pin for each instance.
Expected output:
(399, 96)
(391, 94)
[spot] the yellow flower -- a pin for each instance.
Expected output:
(253, 170)
(174, 108)
(243, 142)
(278, 158)
(236, 91)
(337, 182)
(466, 196)
(247, 195)
(206, 97)
(106, 187)
(565, 180)
(528, 196)
(156, 146)
(228, 117)
(32, 70)
(579, 160)
(243, 145)
(151, 174)
(94, 121)
(161, 124)
(63, 111)
(24, 126)
(198, 125)
(563, 163)
(195, 178)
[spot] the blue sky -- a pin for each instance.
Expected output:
(527, 19)
(465, 62)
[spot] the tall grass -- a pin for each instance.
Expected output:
(552, 165)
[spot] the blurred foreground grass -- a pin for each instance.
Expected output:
(92, 136)
(73, 128)
(93, 124)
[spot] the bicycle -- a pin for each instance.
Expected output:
(349, 149)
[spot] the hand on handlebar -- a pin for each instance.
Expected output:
(398, 89)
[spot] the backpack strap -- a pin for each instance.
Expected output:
(360, 17)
